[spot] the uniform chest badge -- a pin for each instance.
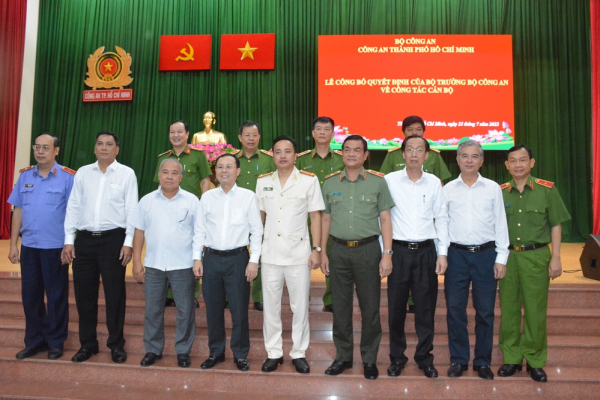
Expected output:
(28, 185)
(268, 189)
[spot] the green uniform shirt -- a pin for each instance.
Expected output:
(355, 206)
(261, 162)
(434, 164)
(311, 161)
(532, 213)
(195, 168)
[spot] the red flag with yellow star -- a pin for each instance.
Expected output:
(248, 51)
(185, 52)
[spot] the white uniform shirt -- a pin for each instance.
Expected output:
(477, 215)
(168, 226)
(286, 239)
(421, 212)
(102, 201)
(227, 221)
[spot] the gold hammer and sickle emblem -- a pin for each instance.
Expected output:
(188, 56)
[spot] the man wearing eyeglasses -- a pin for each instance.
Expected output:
(420, 245)
(40, 202)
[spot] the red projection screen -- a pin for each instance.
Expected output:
(461, 85)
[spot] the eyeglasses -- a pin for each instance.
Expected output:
(227, 167)
(415, 151)
(38, 147)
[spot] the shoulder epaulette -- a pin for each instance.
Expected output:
(505, 185)
(168, 151)
(542, 182)
(266, 152)
(304, 152)
(379, 174)
(339, 153)
(436, 150)
(307, 173)
(68, 170)
(267, 174)
(26, 169)
(334, 174)
(235, 152)
(394, 149)
(195, 148)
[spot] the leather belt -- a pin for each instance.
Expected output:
(414, 245)
(226, 253)
(355, 243)
(100, 234)
(528, 248)
(474, 248)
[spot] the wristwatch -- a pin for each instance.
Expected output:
(318, 249)
(390, 252)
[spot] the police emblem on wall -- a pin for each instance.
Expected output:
(108, 70)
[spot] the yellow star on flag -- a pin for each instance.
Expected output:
(247, 51)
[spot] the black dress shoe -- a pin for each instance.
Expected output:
(328, 308)
(84, 353)
(337, 367)
(54, 353)
(484, 371)
(271, 364)
(456, 370)
(119, 355)
(509, 369)
(258, 305)
(196, 304)
(212, 361)
(537, 374)
(371, 371)
(301, 365)
(184, 360)
(411, 309)
(31, 351)
(242, 364)
(429, 371)
(169, 303)
(149, 359)
(395, 369)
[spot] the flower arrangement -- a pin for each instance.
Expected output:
(213, 151)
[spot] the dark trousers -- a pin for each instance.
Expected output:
(413, 270)
(42, 271)
(225, 277)
(465, 268)
(95, 257)
(349, 267)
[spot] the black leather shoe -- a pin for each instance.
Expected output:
(31, 351)
(196, 304)
(411, 309)
(212, 361)
(371, 371)
(242, 364)
(84, 353)
(184, 360)
(271, 364)
(537, 374)
(301, 365)
(149, 359)
(337, 367)
(169, 303)
(509, 369)
(395, 369)
(484, 372)
(119, 355)
(429, 371)
(456, 370)
(328, 308)
(258, 305)
(54, 353)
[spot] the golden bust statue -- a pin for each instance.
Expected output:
(208, 135)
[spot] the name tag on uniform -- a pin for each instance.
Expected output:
(268, 189)
(335, 193)
(28, 185)
(308, 167)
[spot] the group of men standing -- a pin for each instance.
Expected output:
(291, 213)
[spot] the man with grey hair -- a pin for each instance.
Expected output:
(165, 219)
(477, 255)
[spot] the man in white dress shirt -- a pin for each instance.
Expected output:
(228, 219)
(420, 245)
(477, 255)
(98, 232)
(286, 198)
(164, 219)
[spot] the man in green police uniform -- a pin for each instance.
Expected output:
(253, 162)
(196, 174)
(354, 199)
(535, 212)
(322, 161)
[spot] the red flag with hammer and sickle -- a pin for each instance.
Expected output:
(184, 52)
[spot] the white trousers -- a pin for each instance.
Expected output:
(297, 279)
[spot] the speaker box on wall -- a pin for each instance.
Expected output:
(590, 258)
